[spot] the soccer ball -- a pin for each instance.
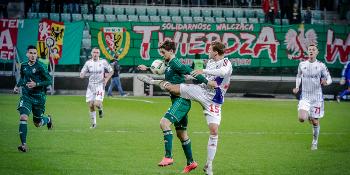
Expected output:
(158, 67)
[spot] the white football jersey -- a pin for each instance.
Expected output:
(95, 70)
(310, 75)
(219, 71)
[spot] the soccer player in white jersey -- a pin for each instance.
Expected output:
(312, 74)
(95, 69)
(219, 69)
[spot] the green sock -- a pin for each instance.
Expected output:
(168, 143)
(186, 146)
(23, 131)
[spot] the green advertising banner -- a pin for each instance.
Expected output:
(66, 38)
(248, 45)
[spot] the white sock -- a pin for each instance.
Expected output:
(315, 134)
(212, 145)
(93, 117)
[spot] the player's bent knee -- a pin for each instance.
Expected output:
(23, 117)
(164, 123)
(315, 122)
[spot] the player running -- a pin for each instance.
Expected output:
(345, 79)
(312, 74)
(34, 79)
(95, 69)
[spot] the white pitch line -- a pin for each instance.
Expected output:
(194, 132)
(132, 99)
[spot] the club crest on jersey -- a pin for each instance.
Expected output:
(33, 70)
(114, 40)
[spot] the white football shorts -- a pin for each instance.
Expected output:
(211, 110)
(315, 109)
(95, 92)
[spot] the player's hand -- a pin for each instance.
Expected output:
(196, 72)
(142, 67)
(212, 84)
(342, 81)
(16, 90)
(295, 90)
(31, 84)
(324, 82)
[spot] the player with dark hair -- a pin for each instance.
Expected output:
(177, 114)
(218, 70)
(34, 80)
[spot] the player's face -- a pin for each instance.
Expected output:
(166, 54)
(312, 52)
(95, 53)
(212, 53)
(32, 55)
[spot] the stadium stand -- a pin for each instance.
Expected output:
(217, 13)
(87, 17)
(108, 10)
(154, 18)
(111, 18)
(151, 11)
(176, 19)
(55, 16)
(77, 17)
(133, 18)
(122, 18)
(119, 10)
(144, 18)
(220, 20)
(174, 12)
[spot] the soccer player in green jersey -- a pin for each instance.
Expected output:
(34, 80)
(177, 113)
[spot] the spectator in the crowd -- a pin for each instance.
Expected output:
(308, 16)
(285, 8)
(295, 17)
(73, 6)
(115, 80)
(27, 6)
(270, 8)
(45, 6)
(92, 7)
(199, 2)
(3, 9)
(59, 6)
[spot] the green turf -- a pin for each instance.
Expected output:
(256, 137)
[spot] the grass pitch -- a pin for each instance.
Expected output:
(256, 137)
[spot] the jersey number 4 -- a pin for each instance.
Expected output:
(99, 93)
